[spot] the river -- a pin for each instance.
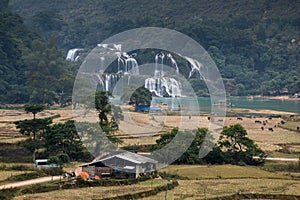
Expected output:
(246, 103)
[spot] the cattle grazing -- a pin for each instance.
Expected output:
(264, 123)
(239, 118)
(257, 121)
(270, 118)
(208, 118)
(298, 128)
(262, 128)
(282, 122)
(271, 129)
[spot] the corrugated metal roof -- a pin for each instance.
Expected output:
(126, 155)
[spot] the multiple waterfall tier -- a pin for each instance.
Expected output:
(161, 83)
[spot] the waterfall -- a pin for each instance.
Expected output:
(156, 72)
(160, 84)
(120, 65)
(159, 57)
(195, 66)
(128, 81)
(164, 86)
(107, 82)
(131, 66)
(73, 55)
(173, 62)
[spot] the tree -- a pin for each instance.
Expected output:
(34, 108)
(139, 96)
(109, 115)
(237, 147)
(191, 155)
(233, 147)
(34, 127)
(45, 70)
(62, 139)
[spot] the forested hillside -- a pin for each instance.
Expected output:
(31, 69)
(255, 44)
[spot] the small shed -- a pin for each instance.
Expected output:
(121, 165)
(142, 108)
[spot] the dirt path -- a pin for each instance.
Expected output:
(280, 159)
(30, 182)
(284, 159)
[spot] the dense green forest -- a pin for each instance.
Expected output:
(255, 44)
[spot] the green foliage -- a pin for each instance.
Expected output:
(33, 126)
(34, 108)
(237, 148)
(14, 38)
(8, 194)
(106, 111)
(45, 69)
(191, 155)
(25, 176)
(169, 176)
(255, 46)
(233, 147)
(31, 70)
(141, 96)
(138, 96)
(63, 142)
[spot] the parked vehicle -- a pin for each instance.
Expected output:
(43, 163)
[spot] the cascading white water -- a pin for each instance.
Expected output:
(195, 65)
(159, 65)
(73, 55)
(174, 63)
(160, 84)
(164, 86)
(132, 66)
(120, 65)
(107, 82)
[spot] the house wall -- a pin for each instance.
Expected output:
(89, 169)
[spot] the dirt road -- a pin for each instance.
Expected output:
(30, 182)
(280, 159)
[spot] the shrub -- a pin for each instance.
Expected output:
(7, 194)
(25, 176)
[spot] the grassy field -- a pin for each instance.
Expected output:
(95, 192)
(220, 172)
(204, 181)
(223, 180)
(292, 125)
(9, 173)
(201, 189)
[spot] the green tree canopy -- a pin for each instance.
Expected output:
(108, 114)
(139, 96)
(34, 108)
(62, 139)
(233, 147)
(237, 147)
(33, 127)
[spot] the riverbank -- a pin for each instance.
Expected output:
(283, 97)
